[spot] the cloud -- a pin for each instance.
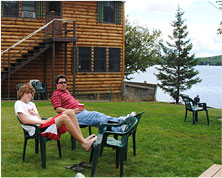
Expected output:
(205, 40)
(156, 6)
(159, 14)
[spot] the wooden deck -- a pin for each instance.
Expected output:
(214, 171)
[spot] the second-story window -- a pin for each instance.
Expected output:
(11, 8)
(109, 12)
(54, 8)
(29, 9)
(99, 59)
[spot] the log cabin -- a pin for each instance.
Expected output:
(81, 39)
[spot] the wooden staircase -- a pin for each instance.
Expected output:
(24, 59)
(32, 46)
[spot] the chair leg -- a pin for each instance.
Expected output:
(43, 151)
(194, 117)
(122, 151)
(185, 116)
(24, 149)
(90, 130)
(126, 151)
(95, 160)
(73, 143)
(117, 157)
(101, 151)
(208, 121)
(59, 148)
(36, 145)
(134, 144)
(91, 155)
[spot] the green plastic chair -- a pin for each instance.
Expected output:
(192, 106)
(18, 85)
(119, 145)
(40, 89)
(133, 133)
(38, 138)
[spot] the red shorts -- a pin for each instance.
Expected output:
(50, 131)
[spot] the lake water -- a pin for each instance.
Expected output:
(209, 90)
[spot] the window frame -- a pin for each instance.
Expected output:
(117, 12)
(17, 8)
(99, 61)
(81, 50)
(109, 8)
(54, 14)
(35, 9)
(115, 60)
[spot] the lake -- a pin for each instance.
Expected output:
(209, 89)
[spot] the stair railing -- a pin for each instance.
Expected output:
(27, 37)
(65, 21)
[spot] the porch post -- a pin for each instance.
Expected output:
(45, 67)
(65, 50)
(53, 66)
(45, 73)
(9, 74)
(74, 58)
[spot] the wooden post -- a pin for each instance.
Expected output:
(65, 50)
(53, 29)
(74, 58)
(53, 66)
(45, 73)
(8, 74)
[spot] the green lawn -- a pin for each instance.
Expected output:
(166, 145)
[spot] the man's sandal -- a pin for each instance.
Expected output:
(75, 167)
(84, 164)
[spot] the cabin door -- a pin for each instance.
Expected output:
(54, 11)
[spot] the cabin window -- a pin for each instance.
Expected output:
(85, 59)
(99, 59)
(54, 8)
(29, 9)
(114, 59)
(11, 8)
(109, 12)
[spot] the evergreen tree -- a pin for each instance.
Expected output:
(177, 73)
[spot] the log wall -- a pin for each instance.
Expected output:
(89, 33)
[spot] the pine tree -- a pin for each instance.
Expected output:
(177, 73)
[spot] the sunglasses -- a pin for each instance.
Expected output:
(62, 82)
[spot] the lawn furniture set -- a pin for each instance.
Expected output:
(104, 140)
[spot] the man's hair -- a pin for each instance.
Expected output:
(26, 88)
(59, 77)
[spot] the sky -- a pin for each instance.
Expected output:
(202, 19)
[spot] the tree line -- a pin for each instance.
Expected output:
(212, 61)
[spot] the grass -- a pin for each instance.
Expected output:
(166, 145)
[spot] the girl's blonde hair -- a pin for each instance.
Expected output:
(26, 88)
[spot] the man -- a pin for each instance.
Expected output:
(62, 100)
(197, 99)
